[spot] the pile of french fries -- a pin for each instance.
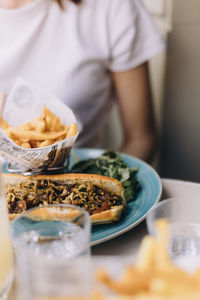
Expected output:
(154, 276)
(40, 132)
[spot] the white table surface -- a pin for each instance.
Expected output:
(128, 243)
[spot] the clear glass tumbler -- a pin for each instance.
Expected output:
(183, 215)
(6, 253)
(52, 247)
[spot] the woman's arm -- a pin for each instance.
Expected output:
(134, 97)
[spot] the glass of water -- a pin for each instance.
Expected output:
(183, 215)
(52, 247)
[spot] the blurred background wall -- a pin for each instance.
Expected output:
(180, 155)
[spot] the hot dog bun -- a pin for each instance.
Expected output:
(89, 189)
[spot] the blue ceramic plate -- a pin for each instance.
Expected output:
(136, 210)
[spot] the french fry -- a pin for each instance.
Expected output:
(25, 145)
(12, 136)
(62, 137)
(66, 131)
(72, 130)
(46, 143)
(132, 282)
(48, 117)
(56, 124)
(162, 256)
(4, 124)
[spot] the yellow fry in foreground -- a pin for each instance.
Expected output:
(146, 254)
(162, 259)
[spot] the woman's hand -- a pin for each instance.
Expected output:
(134, 97)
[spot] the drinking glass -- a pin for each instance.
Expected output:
(6, 254)
(52, 246)
(183, 215)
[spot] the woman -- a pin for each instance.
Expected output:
(80, 52)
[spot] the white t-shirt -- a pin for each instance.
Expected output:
(71, 52)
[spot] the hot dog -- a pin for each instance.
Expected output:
(101, 196)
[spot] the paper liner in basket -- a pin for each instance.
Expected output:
(23, 104)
